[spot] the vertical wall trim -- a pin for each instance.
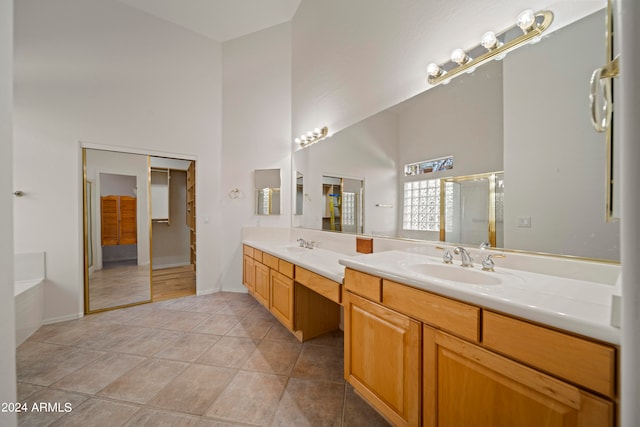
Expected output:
(628, 15)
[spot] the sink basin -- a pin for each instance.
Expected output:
(296, 249)
(456, 274)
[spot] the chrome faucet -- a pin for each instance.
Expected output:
(305, 243)
(488, 264)
(467, 261)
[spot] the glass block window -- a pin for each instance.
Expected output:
(421, 205)
(348, 208)
(428, 166)
(266, 202)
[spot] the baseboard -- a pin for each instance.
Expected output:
(62, 318)
(171, 265)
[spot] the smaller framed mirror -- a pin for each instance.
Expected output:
(267, 184)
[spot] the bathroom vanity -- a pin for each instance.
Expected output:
(441, 345)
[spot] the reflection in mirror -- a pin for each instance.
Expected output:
(267, 183)
(117, 230)
(299, 194)
(342, 204)
(526, 115)
(480, 197)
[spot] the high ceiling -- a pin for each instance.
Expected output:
(220, 20)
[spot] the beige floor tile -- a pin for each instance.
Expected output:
(153, 318)
(358, 413)
(188, 347)
(44, 364)
(195, 389)
(149, 342)
(184, 321)
(25, 390)
(142, 383)
(153, 418)
(275, 357)
(252, 397)
(58, 403)
(207, 305)
(231, 352)
(98, 374)
(217, 324)
(96, 413)
(321, 363)
(251, 328)
(279, 333)
(259, 313)
(310, 403)
(333, 339)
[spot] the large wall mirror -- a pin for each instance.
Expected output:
(139, 228)
(526, 116)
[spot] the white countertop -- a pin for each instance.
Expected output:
(573, 305)
(577, 306)
(320, 261)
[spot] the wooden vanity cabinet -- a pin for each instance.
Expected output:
(467, 385)
(249, 273)
(262, 285)
(476, 367)
(281, 298)
(382, 358)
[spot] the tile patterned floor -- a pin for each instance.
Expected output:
(214, 360)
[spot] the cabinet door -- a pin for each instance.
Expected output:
(128, 220)
(261, 284)
(249, 273)
(281, 303)
(382, 358)
(109, 220)
(466, 385)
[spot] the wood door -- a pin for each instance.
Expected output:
(261, 284)
(466, 385)
(382, 358)
(128, 220)
(249, 273)
(281, 302)
(109, 220)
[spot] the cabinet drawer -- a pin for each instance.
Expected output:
(270, 261)
(453, 316)
(285, 268)
(363, 284)
(580, 361)
(247, 250)
(257, 255)
(321, 285)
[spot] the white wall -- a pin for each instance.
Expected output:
(7, 304)
(559, 160)
(256, 112)
(105, 73)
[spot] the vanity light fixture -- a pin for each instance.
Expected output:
(309, 138)
(529, 27)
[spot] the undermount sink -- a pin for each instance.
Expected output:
(296, 249)
(456, 274)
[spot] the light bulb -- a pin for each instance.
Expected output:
(459, 56)
(489, 40)
(309, 134)
(297, 140)
(434, 70)
(526, 20)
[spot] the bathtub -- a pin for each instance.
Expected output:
(29, 275)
